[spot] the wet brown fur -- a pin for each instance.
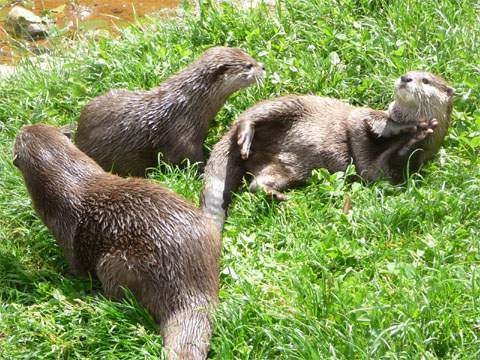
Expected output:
(123, 131)
(130, 233)
(280, 141)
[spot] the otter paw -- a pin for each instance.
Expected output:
(424, 131)
(425, 125)
(408, 129)
(244, 140)
(433, 123)
(259, 184)
(276, 195)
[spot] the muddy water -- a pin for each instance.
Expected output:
(76, 16)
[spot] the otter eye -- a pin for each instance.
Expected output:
(222, 68)
(249, 66)
(425, 81)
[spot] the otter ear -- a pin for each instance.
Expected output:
(450, 91)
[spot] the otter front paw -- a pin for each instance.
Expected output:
(428, 125)
(407, 129)
(244, 139)
(424, 130)
(266, 184)
(276, 195)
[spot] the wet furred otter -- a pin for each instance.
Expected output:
(130, 233)
(123, 131)
(280, 141)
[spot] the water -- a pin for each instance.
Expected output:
(77, 16)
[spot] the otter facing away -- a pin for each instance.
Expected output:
(123, 131)
(129, 232)
(280, 141)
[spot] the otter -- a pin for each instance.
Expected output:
(123, 131)
(129, 233)
(280, 141)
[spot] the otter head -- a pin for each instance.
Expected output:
(232, 69)
(421, 95)
(33, 148)
(47, 159)
(54, 171)
(38, 147)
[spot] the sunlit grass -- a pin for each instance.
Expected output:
(397, 277)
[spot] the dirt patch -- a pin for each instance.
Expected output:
(70, 16)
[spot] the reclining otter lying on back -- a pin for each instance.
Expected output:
(280, 141)
(130, 233)
(123, 131)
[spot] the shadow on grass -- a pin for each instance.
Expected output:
(20, 285)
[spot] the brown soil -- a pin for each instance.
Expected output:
(77, 15)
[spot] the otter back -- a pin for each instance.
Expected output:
(280, 142)
(130, 233)
(124, 131)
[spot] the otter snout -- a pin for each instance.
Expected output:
(264, 70)
(259, 69)
(415, 86)
(255, 73)
(403, 82)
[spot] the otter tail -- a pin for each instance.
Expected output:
(186, 334)
(223, 174)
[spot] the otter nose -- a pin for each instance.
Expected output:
(406, 79)
(262, 65)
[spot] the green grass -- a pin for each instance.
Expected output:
(396, 278)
